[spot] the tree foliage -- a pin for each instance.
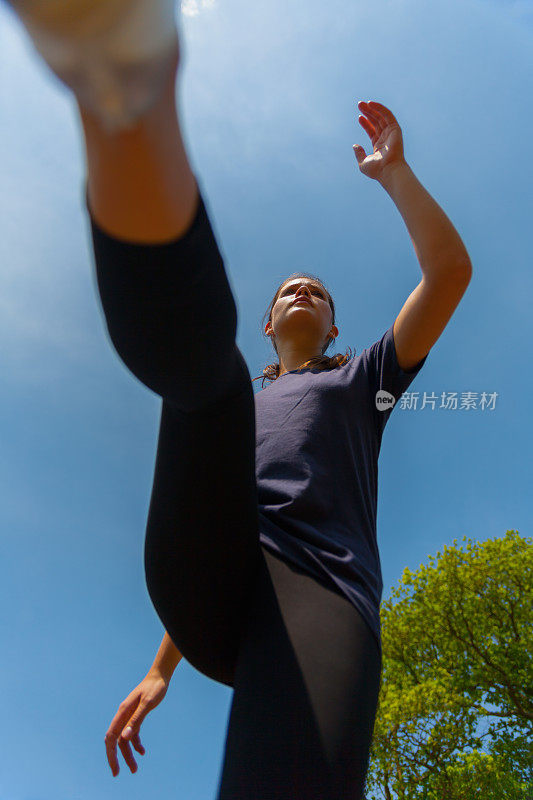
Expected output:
(455, 716)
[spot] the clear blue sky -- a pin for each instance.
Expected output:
(268, 99)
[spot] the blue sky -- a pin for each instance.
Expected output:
(268, 102)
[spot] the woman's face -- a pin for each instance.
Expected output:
(301, 313)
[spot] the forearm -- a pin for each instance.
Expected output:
(438, 246)
(167, 658)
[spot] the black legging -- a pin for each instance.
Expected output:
(303, 663)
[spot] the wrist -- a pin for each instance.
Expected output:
(392, 172)
(164, 673)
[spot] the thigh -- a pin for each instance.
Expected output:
(202, 543)
(306, 690)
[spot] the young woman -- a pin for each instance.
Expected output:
(261, 556)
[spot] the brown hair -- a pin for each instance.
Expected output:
(323, 362)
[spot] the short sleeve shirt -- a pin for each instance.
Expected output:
(318, 437)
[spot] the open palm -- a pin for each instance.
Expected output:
(386, 137)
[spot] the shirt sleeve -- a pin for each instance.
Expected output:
(385, 375)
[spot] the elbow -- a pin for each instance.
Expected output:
(458, 260)
(466, 266)
(450, 270)
(461, 269)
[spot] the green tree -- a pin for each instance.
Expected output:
(455, 716)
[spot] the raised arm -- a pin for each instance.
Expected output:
(443, 258)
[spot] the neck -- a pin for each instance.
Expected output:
(294, 359)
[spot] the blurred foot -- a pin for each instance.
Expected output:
(115, 55)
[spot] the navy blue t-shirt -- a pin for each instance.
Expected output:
(318, 437)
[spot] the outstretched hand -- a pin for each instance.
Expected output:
(127, 721)
(386, 137)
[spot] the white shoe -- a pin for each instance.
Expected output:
(114, 54)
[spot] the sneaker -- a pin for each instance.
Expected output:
(115, 55)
